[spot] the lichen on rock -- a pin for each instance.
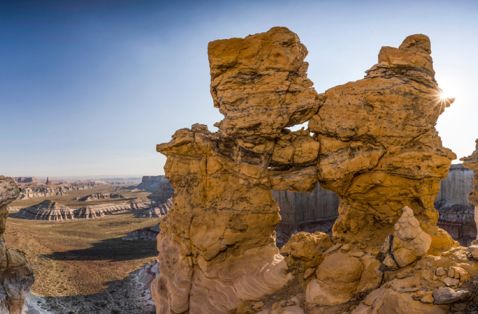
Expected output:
(372, 141)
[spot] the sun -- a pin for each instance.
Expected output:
(443, 95)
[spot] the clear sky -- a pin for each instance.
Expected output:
(90, 87)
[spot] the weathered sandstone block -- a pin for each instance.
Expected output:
(373, 142)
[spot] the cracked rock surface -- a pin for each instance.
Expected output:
(372, 141)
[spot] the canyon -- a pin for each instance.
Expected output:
(107, 231)
(358, 211)
(373, 142)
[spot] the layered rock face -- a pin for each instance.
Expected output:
(305, 211)
(471, 162)
(317, 210)
(55, 211)
(33, 190)
(456, 187)
(48, 210)
(101, 210)
(372, 142)
(160, 210)
(456, 212)
(100, 196)
(16, 276)
(159, 186)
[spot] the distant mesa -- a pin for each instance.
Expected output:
(24, 180)
(158, 210)
(159, 187)
(55, 211)
(31, 189)
(100, 196)
(47, 210)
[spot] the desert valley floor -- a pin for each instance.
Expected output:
(90, 257)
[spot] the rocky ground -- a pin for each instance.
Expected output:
(131, 295)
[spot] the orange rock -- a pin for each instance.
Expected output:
(372, 141)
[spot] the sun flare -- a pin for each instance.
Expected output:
(444, 95)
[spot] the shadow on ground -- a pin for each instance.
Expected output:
(114, 249)
(121, 296)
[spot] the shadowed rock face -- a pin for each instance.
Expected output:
(16, 276)
(372, 142)
(471, 162)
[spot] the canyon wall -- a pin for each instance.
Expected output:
(456, 187)
(159, 186)
(471, 162)
(305, 211)
(373, 142)
(456, 212)
(317, 210)
(16, 276)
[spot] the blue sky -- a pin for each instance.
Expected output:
(90, 87)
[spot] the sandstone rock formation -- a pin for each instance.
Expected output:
(157, 210)
(101, 210)
(34, 190)
(159, 186)
(55, 211)
(100, 196)
(48, 210)
(317, 210)
(372, 142)
(407, 243)
(16, 276)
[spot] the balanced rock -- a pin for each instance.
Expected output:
(408, 242)
(308, 248)
(372, 141)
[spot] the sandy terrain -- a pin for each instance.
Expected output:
(82, 257)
